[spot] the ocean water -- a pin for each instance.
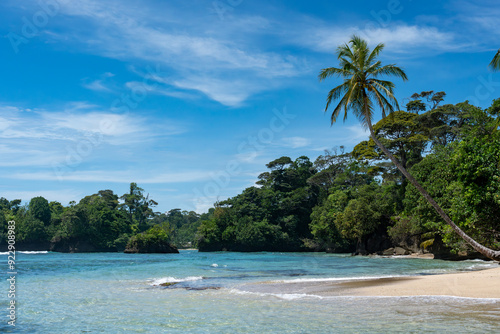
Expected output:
(120, 293)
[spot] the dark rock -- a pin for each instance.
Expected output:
(168, 283)
(71, 245)
(388, 251)
(27, 247)
(374, 243)
(401, 251)
(412, 243)
(442, 252)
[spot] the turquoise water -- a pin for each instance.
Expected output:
(119, 293)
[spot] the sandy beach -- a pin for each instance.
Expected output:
(474, 284)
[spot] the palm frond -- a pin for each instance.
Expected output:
(374, 54)
(495, 62)
(344, 51)
(360, 48)
(335, 93)
(391, 70)
(342, 105)
(331, 71)
(386, 86)
(374, 67)
(386, 105)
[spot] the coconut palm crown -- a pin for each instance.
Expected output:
(495, 62)
(362, 88)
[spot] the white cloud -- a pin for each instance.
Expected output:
(96, 85)
(358, 133)
(96, 122)
(226, 70)
(158, 88)
(321, 149)
(45, 138)
(68, 125)
(480, 17)
(230, 93)
(249, 156)
(400, 38)
(296, 142)
(18, 154)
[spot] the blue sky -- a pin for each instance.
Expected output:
(190, 99)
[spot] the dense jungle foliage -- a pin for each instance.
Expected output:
(357, 201)
(343, 201)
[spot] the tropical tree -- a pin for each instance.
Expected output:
(363, 90)
(40, 209)
(495, 62)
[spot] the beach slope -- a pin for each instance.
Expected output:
(473, 284)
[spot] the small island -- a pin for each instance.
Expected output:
(154, 240)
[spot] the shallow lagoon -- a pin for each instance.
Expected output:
(120, 293)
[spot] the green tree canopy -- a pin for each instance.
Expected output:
(39, 209)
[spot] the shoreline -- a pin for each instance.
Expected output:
(471, 284)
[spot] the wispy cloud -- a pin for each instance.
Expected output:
(99, 85)
(43, 137)
(226, 71)
(296, 142)
(482, 22)
(67, 125)
(161, 89)
(358, 133)
(230, 93)
(106, 123)
(399, 38)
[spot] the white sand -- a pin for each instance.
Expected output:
(475, 284)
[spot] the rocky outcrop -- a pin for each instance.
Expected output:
(64, 245)
(442, 252)
(375, 243)
(27, 247)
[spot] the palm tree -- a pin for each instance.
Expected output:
(495, 62)
(362, 91)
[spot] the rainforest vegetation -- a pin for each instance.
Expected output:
(99, 222)
(348, 201)
(341, 201)
(441, 185)
(427, 178)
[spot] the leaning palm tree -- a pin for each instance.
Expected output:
(495, 62)
(362, 91)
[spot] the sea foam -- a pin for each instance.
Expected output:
(25, 252)
(175, 280)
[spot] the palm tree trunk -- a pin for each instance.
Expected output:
(490, 253)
